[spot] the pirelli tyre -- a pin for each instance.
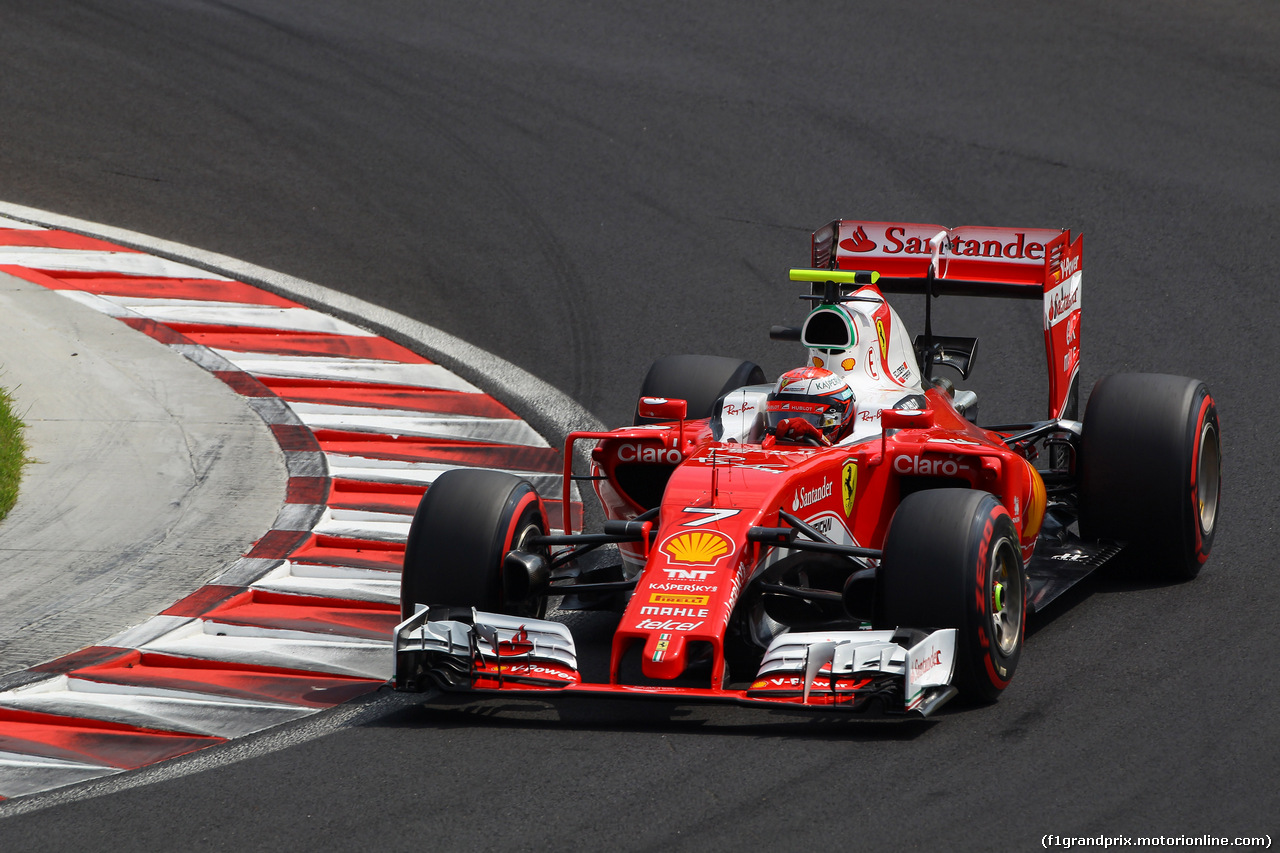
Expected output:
(700, 380)
(952, 560)
(1151, 470)
(465, 525)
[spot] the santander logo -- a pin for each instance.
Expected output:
(1002, 244)
(923, 665)
(1061, 301)
(858, 242)
(804, 497)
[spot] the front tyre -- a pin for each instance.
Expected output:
(466, 524)
(1151, 469)
(952, 560)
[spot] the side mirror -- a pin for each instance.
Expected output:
(662, 409)
(906, 419)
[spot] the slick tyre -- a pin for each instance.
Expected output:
(700, 380)
(952, 560)
(465, 525)
(1151, 470)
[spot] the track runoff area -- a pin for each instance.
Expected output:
(303, 620)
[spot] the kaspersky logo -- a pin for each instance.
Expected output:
(804, 497)
(697, 547)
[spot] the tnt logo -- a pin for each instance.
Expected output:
(687, 574)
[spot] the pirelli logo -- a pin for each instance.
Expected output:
(682, 600)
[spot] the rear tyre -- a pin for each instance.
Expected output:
(952, 560)
(466, 524)
(1151, 470)
(700, 380)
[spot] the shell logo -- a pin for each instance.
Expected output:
(697, 547)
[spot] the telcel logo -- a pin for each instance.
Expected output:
(666, 625)
(648, 453)
(928, 467)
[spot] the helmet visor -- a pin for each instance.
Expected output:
(827, 418)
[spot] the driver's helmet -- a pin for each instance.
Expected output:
(816, 395)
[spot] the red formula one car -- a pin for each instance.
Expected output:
(845, 538)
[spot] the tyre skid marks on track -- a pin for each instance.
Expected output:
(300, 622)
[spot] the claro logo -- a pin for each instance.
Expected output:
(649, 453)
(928, 467)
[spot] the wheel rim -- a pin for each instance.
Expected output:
(1208, 477)
(534, 606)
(530, 529)
(1005, 598)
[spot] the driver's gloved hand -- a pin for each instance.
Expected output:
(799, 430)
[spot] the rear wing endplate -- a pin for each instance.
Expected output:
(1020, 263)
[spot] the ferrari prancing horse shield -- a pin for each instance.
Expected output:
(849, 484)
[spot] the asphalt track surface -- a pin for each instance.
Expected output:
(581, 188)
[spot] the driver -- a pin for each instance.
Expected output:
(809, 405)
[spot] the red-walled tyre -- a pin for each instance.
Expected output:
(1151, 470)
(466, 524)
(952, 560)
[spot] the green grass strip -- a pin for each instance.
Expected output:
(13, 453)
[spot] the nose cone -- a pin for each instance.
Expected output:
(663, 656)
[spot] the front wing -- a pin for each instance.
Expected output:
(868, 672)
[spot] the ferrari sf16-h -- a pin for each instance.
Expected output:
(845, 538)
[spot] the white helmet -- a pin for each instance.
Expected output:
(814, 395)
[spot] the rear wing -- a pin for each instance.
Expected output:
(1019, 263)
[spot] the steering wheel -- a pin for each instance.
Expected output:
(800, 431)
